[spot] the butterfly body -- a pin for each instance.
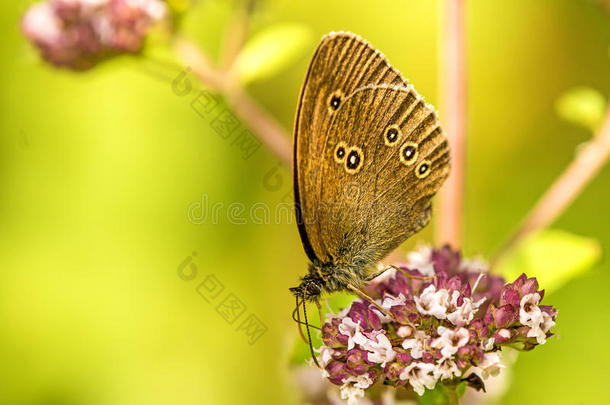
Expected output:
(330, 277)
(369, 154)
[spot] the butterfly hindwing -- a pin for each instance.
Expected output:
(343, 63)
(371, 204)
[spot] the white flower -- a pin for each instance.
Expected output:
(404, 331)
(330, 315)
(420, 260)
(352, 330)
(325, 356)
(504, 333)
(380, 349)
(538, 333)
(488, 344)
(445, 369)
(41, 24)
(539, 330)
(463, 314)
(420, 376)
(351, 393)
(490, 366)
(531, 315)
(417, 344)
(104, 28)
(388, 274)
(87, 3)
(529, 312)
(389, 301)
(432, 302)
(353, 388)
(382, 317)
(450, 340)
(547, 322)
(154, 8)
(474, 265)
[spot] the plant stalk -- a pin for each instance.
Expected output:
(453, 397)
(586, 164)
(451, 199)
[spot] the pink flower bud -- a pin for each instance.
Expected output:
(331, 335)
(530, 286)
(357, 361)
(510, 296)
(337, 372)
(502, 336)
(505, 316)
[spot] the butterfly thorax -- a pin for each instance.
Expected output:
(328, 278)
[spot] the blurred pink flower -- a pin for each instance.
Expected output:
(77, 34)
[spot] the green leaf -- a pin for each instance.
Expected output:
(437, 396)
(271, 50)
(582, 106)
(553, 256)
(179, 6)
(440, 394)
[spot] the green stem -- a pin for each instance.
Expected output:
(453, 397)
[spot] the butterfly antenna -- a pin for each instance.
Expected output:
(313, 356)
(297, 319)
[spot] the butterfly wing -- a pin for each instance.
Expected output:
(342, 63)
(377, 193)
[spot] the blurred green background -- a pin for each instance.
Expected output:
(97, 171)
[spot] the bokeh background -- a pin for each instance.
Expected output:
(98, 169)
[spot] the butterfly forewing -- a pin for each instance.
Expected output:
(343, 63)
(364, 213)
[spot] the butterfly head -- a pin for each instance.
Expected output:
(311, 286)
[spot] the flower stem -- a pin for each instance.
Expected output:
(265, 127)
(587, 163)
(453, 397)
(451, 199)
(236, 33)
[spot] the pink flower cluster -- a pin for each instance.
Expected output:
(79, 33)
(449, 322)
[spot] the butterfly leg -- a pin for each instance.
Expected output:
(366, 297)
(379, 273)
(320, 313)
(411, 275)
(391, 266)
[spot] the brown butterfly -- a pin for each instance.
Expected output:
(369, 154)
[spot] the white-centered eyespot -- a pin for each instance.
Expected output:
(335, 100)
(354, 160)
(423, 169)
(340, 152)
(408, 153)
(392, 135)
